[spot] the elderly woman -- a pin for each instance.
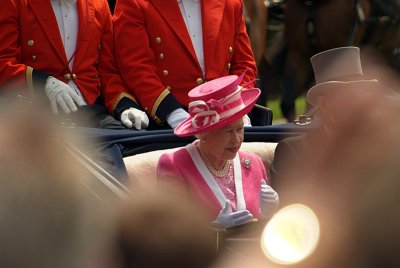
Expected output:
(231, 183)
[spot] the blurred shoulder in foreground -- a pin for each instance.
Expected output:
(47, 217)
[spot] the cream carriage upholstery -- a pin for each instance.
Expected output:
(142, 167)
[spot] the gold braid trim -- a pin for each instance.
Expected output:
(29, 80)
(157, 103)
(120, 96)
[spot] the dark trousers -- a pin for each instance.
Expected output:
(94, 116)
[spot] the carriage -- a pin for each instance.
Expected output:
(118, 158)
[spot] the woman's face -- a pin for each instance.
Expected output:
(224, 143)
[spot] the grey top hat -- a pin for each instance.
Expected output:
(336, 68)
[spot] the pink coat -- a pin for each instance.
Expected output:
(180, 170)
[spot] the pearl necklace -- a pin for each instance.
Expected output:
(217, 173)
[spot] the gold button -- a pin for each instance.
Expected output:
(74, 76)
(199, 81)
(34, 58)
(230, 49)
(96, 76)
(158, 40)
(145, 108)
(165, 72)
(99, 85)
(67, 76)
(30, 43)
(99, 47)
(97, 62)
(229, 66)
(161, 56)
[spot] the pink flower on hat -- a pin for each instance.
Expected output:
(217, 103)
(203, 113)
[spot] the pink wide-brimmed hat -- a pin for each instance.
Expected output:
(337, 68)
(216, 104)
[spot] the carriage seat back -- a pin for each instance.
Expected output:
(142, 167)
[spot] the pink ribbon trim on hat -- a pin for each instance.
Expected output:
(211, 112)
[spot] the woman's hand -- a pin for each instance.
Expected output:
(226, 218)
(269, 200)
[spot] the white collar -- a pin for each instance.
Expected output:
(195, 1)
(71, 2)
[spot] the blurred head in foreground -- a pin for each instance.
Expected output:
(162, 231)
(47, 218)
(347, 171)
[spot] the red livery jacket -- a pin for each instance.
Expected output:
(31, 49)
(156, 57)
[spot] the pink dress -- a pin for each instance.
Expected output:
(180, 169)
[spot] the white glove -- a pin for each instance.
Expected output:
(176, 117)
(226, 218)
(269, 199)
(134, 117)
(63, 95)
(246, 121)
